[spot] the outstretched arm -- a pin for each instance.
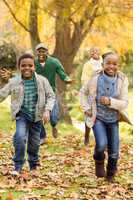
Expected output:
(61, 72)
(5, 91)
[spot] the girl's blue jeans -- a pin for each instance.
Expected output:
(27, 134)
(106, 136)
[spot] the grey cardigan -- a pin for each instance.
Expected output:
(15, 88)
(119, 104)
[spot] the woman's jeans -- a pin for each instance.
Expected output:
(27, 132)
(106, 136)
(54, 117)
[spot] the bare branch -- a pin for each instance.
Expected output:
(45, 9)
(89, 18)
(83, 26)
(75, 11)
(14, 16)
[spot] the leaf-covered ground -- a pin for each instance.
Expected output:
(66, 172)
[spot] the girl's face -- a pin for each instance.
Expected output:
(110, 64)
(27, 68)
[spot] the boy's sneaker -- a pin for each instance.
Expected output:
(42, 141)
(15, 173)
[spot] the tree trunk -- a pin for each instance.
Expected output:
(33, 24)
(69, 35)
(65, 50)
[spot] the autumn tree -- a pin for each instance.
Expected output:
(73, 20)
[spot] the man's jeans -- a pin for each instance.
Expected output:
(106, 136)
(27, 132)
(54, 117)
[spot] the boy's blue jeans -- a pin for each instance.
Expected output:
(106, 136)
(54, 117)
(27, 132)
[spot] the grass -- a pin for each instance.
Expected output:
(6, 124)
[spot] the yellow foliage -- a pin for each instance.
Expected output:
(112, 27)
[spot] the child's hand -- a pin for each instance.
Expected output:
(105, 100)
(69, 81)
(46, 116)
(88, 113)
(5, 74)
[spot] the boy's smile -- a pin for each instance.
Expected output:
(27, 68)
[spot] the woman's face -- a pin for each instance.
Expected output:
(110, 64)
(95, 53)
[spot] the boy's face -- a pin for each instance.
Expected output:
(111, 65)
(27, 68)
(42, 54)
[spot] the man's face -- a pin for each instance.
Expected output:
(42, 54)
(27, 68)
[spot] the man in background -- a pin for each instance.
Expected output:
(49, 67)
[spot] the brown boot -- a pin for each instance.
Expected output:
(54, 132)
(99, 168)
(111, 169)
(87, 135)
(110, 175)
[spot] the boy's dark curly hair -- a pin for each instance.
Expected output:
(23, 56)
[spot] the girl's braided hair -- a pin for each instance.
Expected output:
(106, 54)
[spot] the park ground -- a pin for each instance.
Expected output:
(66, 169)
